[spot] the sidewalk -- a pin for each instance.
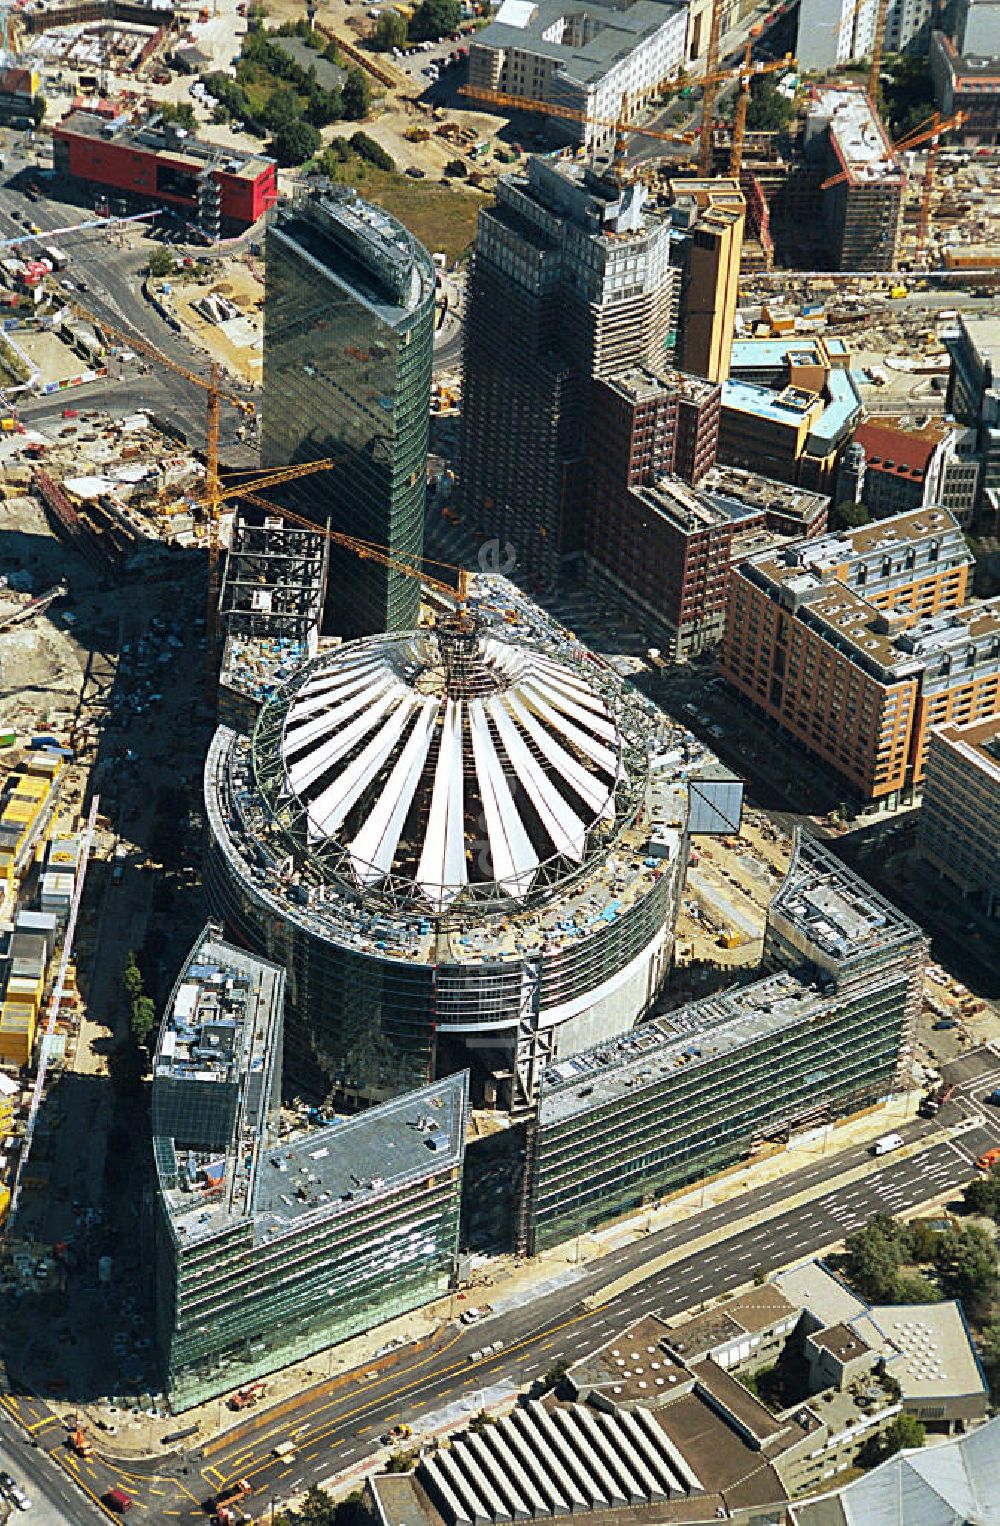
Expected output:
(509, 1283)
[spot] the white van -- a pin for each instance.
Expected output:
(887, 1143)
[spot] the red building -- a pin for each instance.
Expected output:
(224, 191)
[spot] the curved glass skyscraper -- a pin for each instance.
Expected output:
(348, 349)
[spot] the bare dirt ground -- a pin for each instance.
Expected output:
(233, 280)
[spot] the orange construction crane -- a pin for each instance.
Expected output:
(367, 550)
(931, 131)
(749, 71)
(506, 99)
(875, 68)
(931, 135)
(216, 396)
(709, 88)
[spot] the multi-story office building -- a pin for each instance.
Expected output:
(832, 33)
(348, 349)
(424, 829)
(977, 27)
(968, 81)
(857, 644)
(571, 283)
(669, 546)
(891, 466)
(959, 823)
(694, 1091)
(974, 398)
(862, 204)
(709, 216)
(270, 1248)
(647, 422)
(593, 59)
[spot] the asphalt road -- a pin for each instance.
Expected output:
(112, 277)
(54, 1498)
(337, 1425)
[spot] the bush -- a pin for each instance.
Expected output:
(181, 112)
(366, 148)
(456, 168)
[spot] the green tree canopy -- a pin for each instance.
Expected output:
(391, 32)
(982, 1195)
(356, 95)
(283, 108)
(873, 1257)
(966, 1261)
(295, 142)
(132, 976)
(768, 111)
(435, 18)
(143, 1018)
(848, 515)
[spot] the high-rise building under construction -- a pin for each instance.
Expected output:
(348, 350)
(571, 282)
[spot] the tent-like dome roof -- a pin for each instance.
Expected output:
(453, 760)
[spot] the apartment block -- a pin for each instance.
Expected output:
(595, 59)
(974, 399)
(959, 824)
(862, 204)
(710, 216)
(857, 644)
(833, 34)
(968, 80)
(571, 283)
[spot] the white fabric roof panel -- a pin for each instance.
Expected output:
(441, 872)
(374, 848)
(567, 832)
(401, 733)
(515, 861)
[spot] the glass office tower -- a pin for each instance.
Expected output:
(348, 351)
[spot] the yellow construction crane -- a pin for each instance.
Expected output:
(709, 89)
(930, 132)
(749, 71)
(366, 550)
(508, 100)
(875, 67)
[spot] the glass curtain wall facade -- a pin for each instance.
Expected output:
(603, 1162)
(348, 352)
(236, 1305)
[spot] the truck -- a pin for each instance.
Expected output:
(55, 256)
(887, 1143)
(231, 1495)
(80, 1442)
(118, 871)
(987, 1161)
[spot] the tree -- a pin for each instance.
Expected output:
(325, 106)
(38, 107)
(848, 515)
(143, 1018)
(768, 110)
(982, 1195)
(356, 94)
(966, 1261)
(391, 31)
(283, 108)
(161, 263)
(916, 1289)
(905, 1432)
(923, 1239)
(435, 18)
(989, 1347)
(873, 1256)
(296, 142)
(367, 148)
(181, 112)
(132, 977)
